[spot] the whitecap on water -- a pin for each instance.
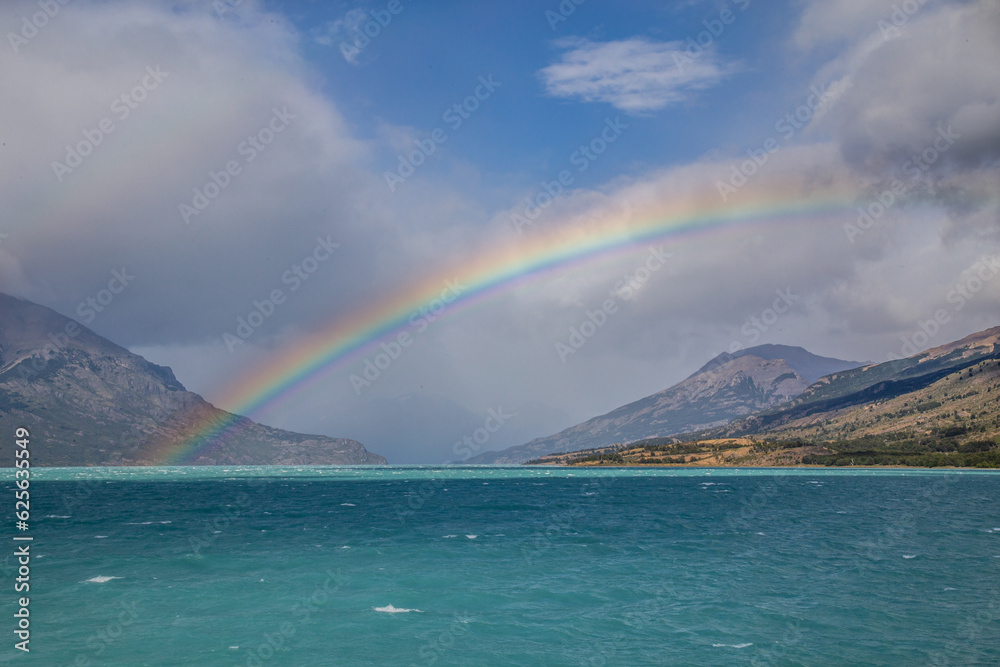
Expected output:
(909, 556)
(449, 536)
(744, 645)
(101, 579)
(348, 505)
(389, 609)
(100, 537)
(56, 516)
(472, 537)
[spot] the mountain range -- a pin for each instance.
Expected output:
(939, 407)
(87, 401)
(730, 386)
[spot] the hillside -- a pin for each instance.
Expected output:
(88, 401)
(946, 399)
(940, 407)
(727, 387)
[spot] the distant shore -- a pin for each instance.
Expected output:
(751, 453)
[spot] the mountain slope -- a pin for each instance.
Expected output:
(937, 408)
(729, 386)
(917, 395)
(88, 401)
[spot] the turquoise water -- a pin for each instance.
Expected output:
(508, 566)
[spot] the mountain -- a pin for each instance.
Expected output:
(727, 387)
(87, 401)
(940, 407)
(947, 396)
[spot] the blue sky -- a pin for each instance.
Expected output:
(523, 133)
(894, 82)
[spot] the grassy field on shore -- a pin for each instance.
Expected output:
(754, 452)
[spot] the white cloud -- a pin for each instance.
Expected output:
(635, 75)
(344, 29)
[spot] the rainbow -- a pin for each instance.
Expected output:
(538, 252)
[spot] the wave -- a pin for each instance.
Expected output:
(744, 645)
(389, 609)
(101, 579)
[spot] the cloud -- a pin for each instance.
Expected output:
(895, 89)
(634, 75)
(315, 178)
(343, 30)
(224, 82)
(827, 21)
(915, 98)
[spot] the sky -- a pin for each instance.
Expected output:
(687, 177)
